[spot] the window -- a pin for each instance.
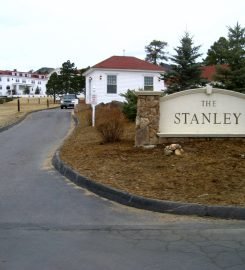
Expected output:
(111, 84)
(148, 83)
(0, 79)
(1, 87)
(7, 79)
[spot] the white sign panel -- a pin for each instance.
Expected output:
(94, 99)
(204, 112)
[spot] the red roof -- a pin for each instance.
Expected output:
(127, 62)
(22, 74)
(5, 72)
(208, 72)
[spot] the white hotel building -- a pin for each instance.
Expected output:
(17, 83)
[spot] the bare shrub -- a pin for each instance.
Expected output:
(110, 123)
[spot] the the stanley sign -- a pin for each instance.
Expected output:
(204, 112)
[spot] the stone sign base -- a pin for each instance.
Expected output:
(157, 119)
(147, 120)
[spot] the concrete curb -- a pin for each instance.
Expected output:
(23, 118)
(226, 212)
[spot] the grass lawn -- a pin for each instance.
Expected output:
(9, 110)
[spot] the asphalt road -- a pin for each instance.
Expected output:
(47, 223)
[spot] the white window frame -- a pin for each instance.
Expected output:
(111, 81)
(148, 86)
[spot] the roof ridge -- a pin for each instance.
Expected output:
(127, 62)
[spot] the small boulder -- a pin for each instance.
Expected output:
(167, 151)
(174, 146)
(178, 152)
(173, 149)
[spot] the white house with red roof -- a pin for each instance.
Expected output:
(15, 82)
(108, 79)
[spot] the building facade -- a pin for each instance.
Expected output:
(22, 83)
(112, 77)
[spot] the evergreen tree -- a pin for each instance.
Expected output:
(185, 72)
(37, 91)
(67, 73)
(155, 52)
(71, 79)
(130, 104)
(26, 90)
(232, 76)
(79, 80)
(53, 86)
(218, 52)
(236, 57)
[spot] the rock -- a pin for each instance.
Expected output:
(178, 152)
(167, 151)
(173, 149)
(175, 146)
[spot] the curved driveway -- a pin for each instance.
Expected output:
(46, 222)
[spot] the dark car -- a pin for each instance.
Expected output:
(68, 101)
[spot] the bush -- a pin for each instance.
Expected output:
(110, 123)
(130, 105)
(8, 99)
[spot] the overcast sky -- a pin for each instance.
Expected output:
(46, 33)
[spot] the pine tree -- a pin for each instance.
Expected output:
(130, 104)
(67, 73)
(71, 79)
(185, 72)
(54, 85)
(236, 57)
(218, 52)
(155, 52)
(232, 76)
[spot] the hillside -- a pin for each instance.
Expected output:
(44, 70)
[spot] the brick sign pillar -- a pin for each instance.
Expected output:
(148, 116)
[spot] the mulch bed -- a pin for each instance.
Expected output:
(208, 172)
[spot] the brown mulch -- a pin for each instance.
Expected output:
(209, 172)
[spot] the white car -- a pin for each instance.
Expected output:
(69, 101)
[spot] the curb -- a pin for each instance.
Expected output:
(23, 118)
(170, 207)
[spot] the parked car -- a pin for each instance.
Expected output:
(69, 101)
